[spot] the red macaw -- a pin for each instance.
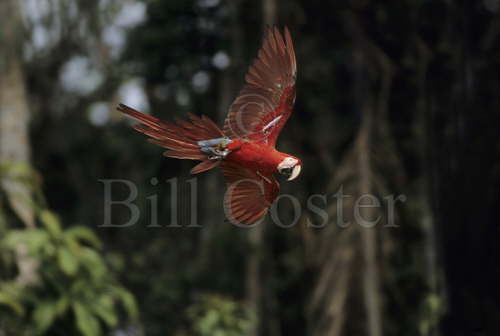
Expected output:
(245, 148)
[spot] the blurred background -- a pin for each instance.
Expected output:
(394, 98)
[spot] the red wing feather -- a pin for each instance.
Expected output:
(204, 165)
(248, 196)
(266, 101)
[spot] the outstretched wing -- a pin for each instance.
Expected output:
(266, 101)
(249, 194)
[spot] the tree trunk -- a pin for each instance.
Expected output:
(363, 50)
(424, 136)
(14, 128)
(371, 287)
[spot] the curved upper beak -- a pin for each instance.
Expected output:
(295, 172)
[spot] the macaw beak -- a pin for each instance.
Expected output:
(295, 172)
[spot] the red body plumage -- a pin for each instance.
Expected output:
(258, 156)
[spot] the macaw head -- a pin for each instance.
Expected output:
(290, 167)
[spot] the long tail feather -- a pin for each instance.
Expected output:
(181, 139)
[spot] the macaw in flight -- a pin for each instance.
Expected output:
(245, 148)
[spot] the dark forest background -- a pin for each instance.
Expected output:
(393, 98)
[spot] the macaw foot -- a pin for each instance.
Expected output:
(215, 148)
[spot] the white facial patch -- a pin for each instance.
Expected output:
(288, 162)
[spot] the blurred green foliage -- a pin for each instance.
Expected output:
(215, 315)
(72, 289)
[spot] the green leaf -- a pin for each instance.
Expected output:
(62, 305)
(79, 287)
(43, 316)
(128, 301)
(35, 239)
(16, 169)
(67, 261)
(13, 238)
(84, 234)
(104, 308)
(12, 303)
(51, 222)
(94, 263)
(86, 321)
